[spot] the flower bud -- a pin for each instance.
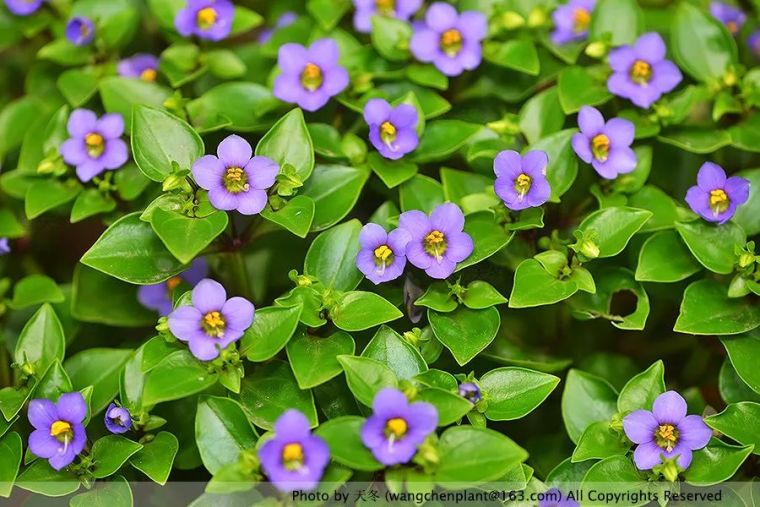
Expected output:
(512, 20)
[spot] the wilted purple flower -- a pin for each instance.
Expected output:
(382, 256)
(521, 181)
(158, 296)
(556, 498)
(399, 9)
(118, 419)
(665, 432)
(141, 65)
(641, 73)
(213, 321)
(715, 197)
(294, 459)
(287, 19)
(392, 130)
(206, 19)
(5, 248)
(753, 41)
(733, 17)
(396, 427)
(58, 434)
(606, 146)
(571, 21)
(437, 242)
(470, 391)
(309, 77)
(95, 144)
(234, 180)
(23, 7)
(449, 40)
(80, 30)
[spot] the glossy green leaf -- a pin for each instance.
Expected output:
(366, 376)
(343, 436)
(272, 327)
(42, 341)
(586, 399)
(110, 453)
(612, 228)
(665, 258)
(641, 391)
(156, 457)
(221, 431)
(399, 355)
(707, 310)
(465, 332)
(332, 257)
(359, 310)
(314, 358)
(513, 393)
(186, 237)
(713, 245)
(289, 142)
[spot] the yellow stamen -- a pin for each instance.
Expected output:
(600, 146)
(292, 453)
(213, 319)
(733, 27)
(148, 75)
(95, 144)
(666, 436)
(641, 72)
(396, 427)
(385, 6)
(59, 428)
(206, 17)
(581, 19)
(383, 252)
(311, 77)
(236, 180)
(388, 133)
(213, 324)
(451, 42)
(173, 282)
(522, 184)
(719, 201)
(434, 238)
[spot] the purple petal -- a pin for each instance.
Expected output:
(737, 189)
(336, 80)
(74, 151)
(447, 217)
(376, 111)
(185, 323)
(647, 456)
(650, 47)
(292, 58)
(223, 200)
(539, 192)
(590, 121)
(473, 25)
(416, 222)
(422, 419)
(424, 44)
(42, 445)
(398, 239)
(288, 88)
(441, 269)
(373, 431)
(209, 296)
(155, 297)
(292, 425)
(459, 246)
(203, 347)
(324, 53)
(416, 254)
(640, 426)
(71, 407)
(441, 17)
(665, 76)
(694, 433)
(115, 154)
(197, 271)
(372, 236)
(81, 122)
(508, 164)
(208, 172)
(238, 313)
(89, 169)
(621, 59)
(42, 414)
(252, 202)
(711, 176)
(313, 101)
(110, 125)
(621, 160)
(262, 172)
(669, 407)
(404, 116)
(234, 151)
(699, 202)
(582, 147)
(621, 132)
(363, 20)
(534, 163)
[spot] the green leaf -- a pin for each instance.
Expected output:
(221, 432)
(53, 383)
(401, 356)
(270, 391)
(314, 358)
(160, 139)
(366, 376)
(130, 251)
(465, 332)
(707, 310)
(613, 285)
(701, 45)
(517, 54)
(224, 64)
(664, 258)
(617, 22)
(10, 227)
(296, 216)
(598, 441)
(578, 87)
(114, 493)
(442, 138)
(359, 310)
(535, 286)
(748, 214)
(99, 368)
(39, 477)
(46, 194)
(78, 85)
(541, 115)
(701, 140)
(480, 295)
(186, 237)
(641, 391)
(178, 375)
(488, 237)
(451, 406)
(110, 453)
(327, 140)
(616, 475)
(35, 289)
(120, 94)
(343, 436)
(99, 298)
(332, 257)
(391, 36)
(743, 352)
(612, 228)
(740, 422)
(420, 193)
(89, 203)
(716, 463)
(11, 450)
(427, 75)
(335, 190)
(586, 399)
(733, 389)
(243, 106)
(391, 172)
(289, 142)
(156, 457)
(42, 341)
(272, 327)
(438, 297)
(513, 393)
(563, 162)
(713, 245)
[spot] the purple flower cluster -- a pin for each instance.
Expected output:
(80, 31)
(142, 65)
(59, 434)
(383, 255)
(212, 322)
(392, 131)
(641, 73)
(733, 17)
(571, 21)
(665, 432)
(521, 181)
(95, 144)
(206, 19)
(294, 459)
(310, 76)
(23, 7)
(716, 197)
(396, 427)
(118, 420)
(235, 179)
(449, 40)
(158, 296)
(606, 146)
(399, 9)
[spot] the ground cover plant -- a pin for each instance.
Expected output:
(278, 247)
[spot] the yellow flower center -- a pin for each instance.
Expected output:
(173, 282)
(383, 252)
(435, 244)
(60, 428)
(213, 324)
(311, 77)
(522, 184)
(206, 17)
(148, 75)
(641, 72)
(666, 436)
(236, 180)
(387, 133)
(581, 19)
(385, 6)
(451, 42)
(600, 147)
(292, 456)
(719, 201)
(95, 144)
(733, 27)
(396, 427)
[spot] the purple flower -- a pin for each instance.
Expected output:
(399, 9)
(141, 65)
(294, 459)
(392, 130)
(753, 41)
(470, 391)
(665, 432)
(58, 434)
(95, 144)
(715, 197)
(571, 21)
(80, 30)
(731, 16)
(118, 419)
(606, 146)
(206, 19)
(5, 248)
(521, 181)
(23, 7)
(641, 73)
(212, 322)
(382, 256)
(449, 40)
(555, 498)
(309, 77)
(158, 296)
(234, 180)
(396, 427)
(437, 242)
(287, 19)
